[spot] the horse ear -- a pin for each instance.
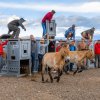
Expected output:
(63, 45)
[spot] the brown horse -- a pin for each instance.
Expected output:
(55, 61)
(77, 57)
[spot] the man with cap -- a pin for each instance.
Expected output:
(13, 26)
(47, 17)
(70, 32)
(88, 34)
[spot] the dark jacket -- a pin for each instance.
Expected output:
(89, 31)
(17, 23)
(51, 46)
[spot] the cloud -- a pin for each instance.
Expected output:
(4, 19)
(63, 21)
(93, 0)
(89, 7)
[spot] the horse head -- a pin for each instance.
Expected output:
(90, 55)
(64, 50)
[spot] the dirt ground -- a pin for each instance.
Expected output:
(82, 86)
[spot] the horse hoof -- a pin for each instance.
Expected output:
(51, 81)
(67, 73)
(55, 77)
(57, 81)
(33, 80)
(74, 73)
(43, 82)
(47, 80)
(80, 71)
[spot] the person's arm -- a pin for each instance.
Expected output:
(45, 45)
(74, 34)
(75, 48)
(20, 23)
(38, 46)
(78, 46)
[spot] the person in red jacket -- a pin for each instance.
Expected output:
(47, 17)
(59, 46)
(97, 53)
(1, 52)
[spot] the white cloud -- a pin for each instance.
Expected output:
(83, 8)
(4, 19)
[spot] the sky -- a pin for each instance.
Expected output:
(83, 13)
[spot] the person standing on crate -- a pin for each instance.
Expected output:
(47, 17)
(88, 34)
(70, 33)
(1, 52)
(13, 26)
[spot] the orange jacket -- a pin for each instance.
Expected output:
(1, 46)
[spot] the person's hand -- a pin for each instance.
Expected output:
(24, 29)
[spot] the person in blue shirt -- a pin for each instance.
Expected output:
(72, 47)
(70, 33)
(41, 52)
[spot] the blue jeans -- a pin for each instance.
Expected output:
(44, 29)
(40, 57)
(33, 61)
(97, 60)
(69, 67)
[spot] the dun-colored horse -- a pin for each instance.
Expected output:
(55, 61)
(77, 57)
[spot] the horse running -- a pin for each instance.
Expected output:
(55, 61)
(78, 57)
